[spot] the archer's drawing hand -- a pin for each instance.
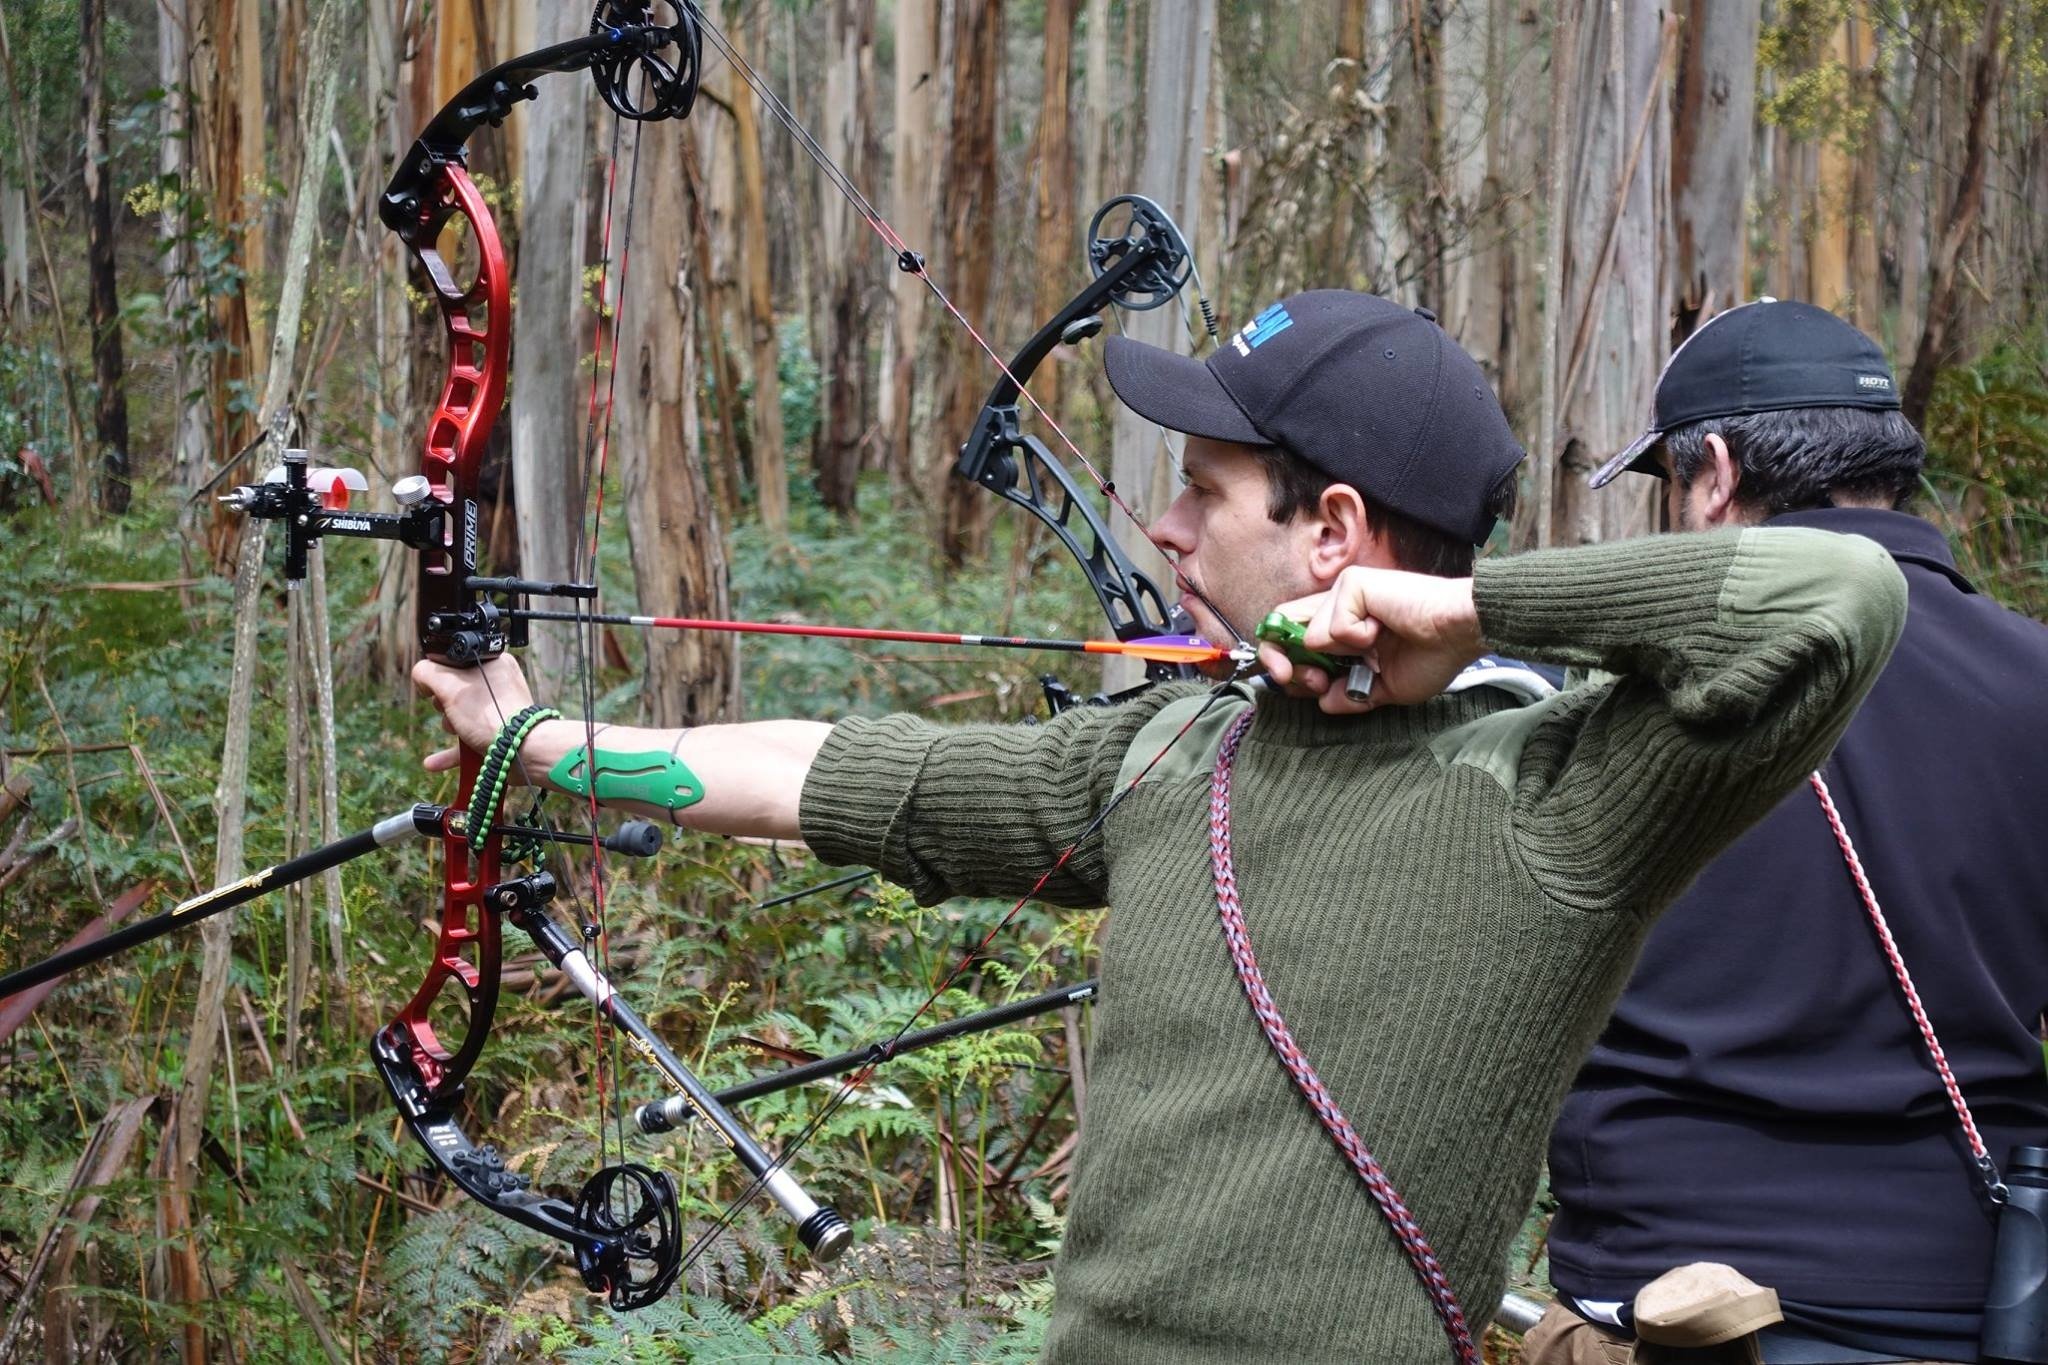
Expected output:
(473, 702)
(1416, 631)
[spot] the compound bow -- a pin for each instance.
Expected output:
(623, 1227)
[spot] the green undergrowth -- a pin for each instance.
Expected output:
(1987, 439)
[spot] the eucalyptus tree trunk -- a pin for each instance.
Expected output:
(836, 452)
(551, 447)
(969, 205)
(13, 250)
(1420, 143)
(1913, 184)
(1938, 335)
(177, 134)
(1712, 124)
(218, 58)
(1474, 97)
(915, 183)
(771, 475)
(252, 122)
(1180, 47)
(1347, 80)
(1095, 129)
(1054, 200)
(678, 546)
(1515, 157)
(714, 290)
(1388, 244)
(1841, 250)
(395, 107)
(110, 407)
(1612, 149)
(1865, 149)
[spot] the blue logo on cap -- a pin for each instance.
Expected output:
(1262, 329)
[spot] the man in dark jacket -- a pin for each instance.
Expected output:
(1763, 1098)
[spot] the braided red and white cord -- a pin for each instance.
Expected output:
(1406, 1230)
(1978, 1151)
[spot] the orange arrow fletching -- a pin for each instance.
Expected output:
(1161, 651)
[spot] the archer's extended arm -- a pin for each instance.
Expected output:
(744, 779)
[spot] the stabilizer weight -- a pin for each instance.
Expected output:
(825, 1234)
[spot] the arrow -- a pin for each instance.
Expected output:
(1158, 649)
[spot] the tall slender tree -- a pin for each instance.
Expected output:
(110, 407)
(841, 435)
(914, 181)
(771, 475)
(1938, 336)
(1180, 54)
(550, 407)
(1610, 148)
(1053, 199)
(1713, 120)
(678, 545)
(969, 194)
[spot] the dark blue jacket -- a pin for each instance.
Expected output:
(1761, 1096)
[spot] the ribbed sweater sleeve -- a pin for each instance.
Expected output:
(1739, 656)
(973, 810)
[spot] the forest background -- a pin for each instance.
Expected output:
(192, 275)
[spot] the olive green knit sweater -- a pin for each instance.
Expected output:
(1445, 898)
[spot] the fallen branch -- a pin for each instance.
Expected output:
(14, 1011)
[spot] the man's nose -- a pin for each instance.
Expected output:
(1171, 531)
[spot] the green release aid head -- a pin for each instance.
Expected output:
(1283, 630)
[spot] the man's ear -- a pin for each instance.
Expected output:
(1344, 534)
(1719, 477)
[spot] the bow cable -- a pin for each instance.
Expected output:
(586, 632)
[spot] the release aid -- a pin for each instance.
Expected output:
(1283, 630)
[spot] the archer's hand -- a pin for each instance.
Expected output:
(473, 702)
(1416, 631)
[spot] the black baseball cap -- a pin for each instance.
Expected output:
(1766, 356)
(1372, 394)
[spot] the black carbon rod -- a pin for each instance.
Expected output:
(417, 822)
(663, 1116)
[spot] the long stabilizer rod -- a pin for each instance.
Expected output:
(416, 822)
(662, 1116)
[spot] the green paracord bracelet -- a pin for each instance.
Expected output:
(493, 777)
(654, 779)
